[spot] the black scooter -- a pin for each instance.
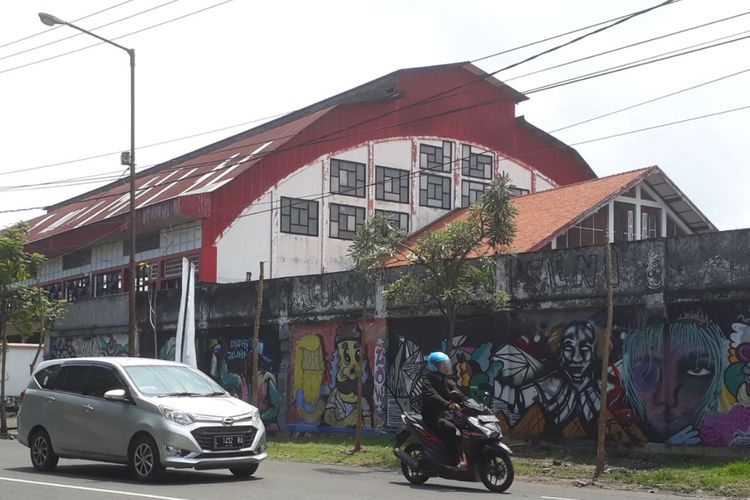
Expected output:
(487, 456)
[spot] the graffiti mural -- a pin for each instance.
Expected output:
(682, 381)
(326, 360)
(78, 347)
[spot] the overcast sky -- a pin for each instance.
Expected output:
(247, 60)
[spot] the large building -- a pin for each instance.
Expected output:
(414, 145)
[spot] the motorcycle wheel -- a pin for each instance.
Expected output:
(496, 471)
(411, 475)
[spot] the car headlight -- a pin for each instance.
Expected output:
(176, 416)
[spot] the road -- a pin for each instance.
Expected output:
(81, 480)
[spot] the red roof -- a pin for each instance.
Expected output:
(194, 175)
(543, 215)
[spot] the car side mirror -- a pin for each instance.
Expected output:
(116, 395)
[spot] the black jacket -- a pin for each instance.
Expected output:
(435, 395)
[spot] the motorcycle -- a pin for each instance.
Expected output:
(487, 456)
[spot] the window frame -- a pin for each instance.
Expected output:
(286, 206)
(384, 174)
(470, 166)
(388, 213)
(466, 198)
(357, 221)
(359, 170)
(444, 180)
(430, 162)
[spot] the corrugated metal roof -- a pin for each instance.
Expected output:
(197, 175)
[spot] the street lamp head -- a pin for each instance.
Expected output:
(50, 20)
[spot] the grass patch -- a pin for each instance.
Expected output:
(537, 462)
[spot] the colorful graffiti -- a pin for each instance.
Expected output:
(326, 361)
(229, 364)
(77, 347)
(685, 381)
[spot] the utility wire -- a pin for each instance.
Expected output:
(8, 44)
(38, 61)
(537, 42)
(624, 47)
(621, 19)
(78, 33)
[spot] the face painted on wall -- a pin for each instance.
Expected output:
(673, 396)
(309, 367)
(348, 353)
(576, 351)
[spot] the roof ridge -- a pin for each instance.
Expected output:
(576, 184)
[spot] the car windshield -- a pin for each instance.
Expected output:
(170, 380)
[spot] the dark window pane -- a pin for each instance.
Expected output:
(399, 220)
(76, 258)
(73, 379)
(435, 191)
(471, 192)
(392, 184)
(299, 216)
(348, 178)
(435, 158)
(102, 380)
(46, 378)
(476, 164)
(345, 219)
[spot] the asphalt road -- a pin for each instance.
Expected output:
(80, 480)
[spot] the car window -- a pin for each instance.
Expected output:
(102, 379)
(163, 380)
(46, 377)
(73, 378)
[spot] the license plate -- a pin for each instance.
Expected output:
(234, 441)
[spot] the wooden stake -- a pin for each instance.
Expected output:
(256, 333)
(602, 430)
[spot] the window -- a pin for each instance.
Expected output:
(46, 378)
(102, 380)
(471, 192)
(109, 283)
(77, 289)
(399, 220)
(344, 220)
(437, 158)
(299, 216)
(143, 243)
(514, 191)
(73, 379)
(77, 258)
(143, 277)
(475, 164)
(392, 184)
(435, 191)
(173, 270)
(348, 177)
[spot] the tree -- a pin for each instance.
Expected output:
(452, 267)
(373, 243)
(20, 304)
(37, 315)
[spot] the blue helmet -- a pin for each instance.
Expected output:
(435, 359)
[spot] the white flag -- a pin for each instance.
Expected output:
(185, 339)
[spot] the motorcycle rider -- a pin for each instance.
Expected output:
(437, 404)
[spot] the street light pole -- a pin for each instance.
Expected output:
(133, 349)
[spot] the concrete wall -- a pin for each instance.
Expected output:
(679, 372)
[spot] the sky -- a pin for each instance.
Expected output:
(245, 61)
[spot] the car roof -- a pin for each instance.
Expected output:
(114, 361)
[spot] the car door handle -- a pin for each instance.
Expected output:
(88, 408)
(50, 399)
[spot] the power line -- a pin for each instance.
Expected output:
(327, 137)
(649, 101)
(628, 46)
(31, 49)
(8, 44)
(537, 42)
(428, 99)
(458, 160)
(38, 61)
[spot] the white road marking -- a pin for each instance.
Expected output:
(83, 488)
(557, 498)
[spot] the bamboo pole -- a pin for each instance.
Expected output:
(602, 429)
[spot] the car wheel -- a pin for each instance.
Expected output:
(144, 460)
(43, 457)
(244, 471)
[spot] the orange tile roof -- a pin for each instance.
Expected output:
(545, 214)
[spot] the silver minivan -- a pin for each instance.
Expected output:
(146, 413)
